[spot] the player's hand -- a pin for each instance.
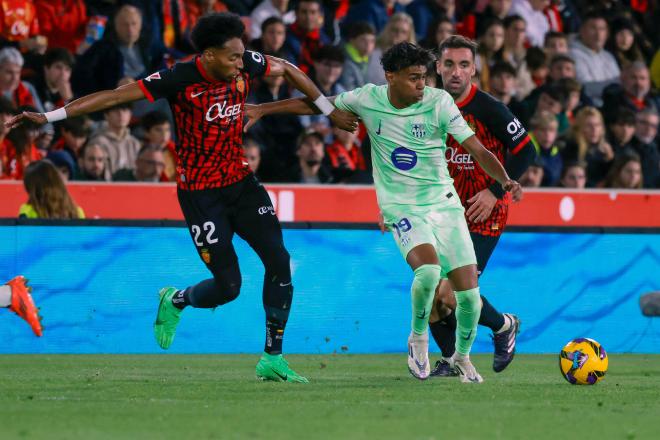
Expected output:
(514, 188)
(381, 223)
(253, 113)
(344, 120)
(37, 118)
(481, 206)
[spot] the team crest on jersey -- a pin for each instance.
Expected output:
(240, 84)
(418, 130)
(206, 256)
(153, 76)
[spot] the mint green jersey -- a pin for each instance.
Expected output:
(408, 145)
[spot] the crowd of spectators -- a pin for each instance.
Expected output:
(581, 75)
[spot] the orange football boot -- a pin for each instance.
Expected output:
(23, 305)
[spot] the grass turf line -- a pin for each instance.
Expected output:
(350, 396)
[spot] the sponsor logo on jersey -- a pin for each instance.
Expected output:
(515, 129)
(265, 210)
(418, 130)
(240, 84)
(463, 161)
(404, 159)
(222, 111)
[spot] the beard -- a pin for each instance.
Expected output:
(313, 162)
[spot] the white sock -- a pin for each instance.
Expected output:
(5, 296)
(507, 324)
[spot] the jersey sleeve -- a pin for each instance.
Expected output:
(452, 122)
(255, 64)
(161, 84)
(508, 129)
(349, 101)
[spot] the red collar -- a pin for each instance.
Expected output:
(314, 35)
(203, 72)
(468, 98)
(639, 103)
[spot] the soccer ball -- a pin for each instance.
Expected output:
(583, 361)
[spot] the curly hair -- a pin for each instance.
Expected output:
(403, 55)
(214, 30)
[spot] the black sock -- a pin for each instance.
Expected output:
(274, 336)
(181, 299)
(444, 334)
(277, 296)
(490, 317)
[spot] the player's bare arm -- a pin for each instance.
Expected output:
(298, 106)
(87, 104)
(492, 166)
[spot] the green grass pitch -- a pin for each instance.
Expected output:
(350, 396)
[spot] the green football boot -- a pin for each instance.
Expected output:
(276, 368)
(167, 318)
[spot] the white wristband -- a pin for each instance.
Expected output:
(324, 105)
(56, 115)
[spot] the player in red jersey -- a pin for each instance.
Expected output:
(218, 194)
(486, 203)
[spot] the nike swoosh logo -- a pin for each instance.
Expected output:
(284, 285)
(467, 338)
(379, 123)
(195, 95)
(421, 366)
(422, 314)
(280, 376)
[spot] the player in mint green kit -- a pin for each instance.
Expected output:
(408, 124)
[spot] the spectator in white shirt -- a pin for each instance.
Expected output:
(532, 12)
(267, 9)
(595, 67)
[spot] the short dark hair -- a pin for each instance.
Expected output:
(624, 116)
(403, 55)
(594, 14)
(58, 54)
(154, 118)
(501, 67)
(307, 135)
(6, 106)
(78, 126)
(554, 34)
(123, 105)
(270, 21)
(214, 30)
(148, 148)
(571, 164)
(358, 28)
(458, 42)
(535, 58)
(318, 2)
(508, 21)
(561, 58)
(330, 53)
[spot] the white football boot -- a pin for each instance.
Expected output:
(466, 371)
(418, 355)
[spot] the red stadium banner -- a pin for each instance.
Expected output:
(355, 204)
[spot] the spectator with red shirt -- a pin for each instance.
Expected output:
(305, 36)
(63, 22)
(633, 93)
(7, 110)
(19, 92)
(20, 150)
(344, 155)
(19, 26)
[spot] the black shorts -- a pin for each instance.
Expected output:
(214, 215)
(484, 245)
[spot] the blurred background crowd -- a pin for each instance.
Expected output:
(581, 75)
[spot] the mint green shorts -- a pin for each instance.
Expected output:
(444, 228)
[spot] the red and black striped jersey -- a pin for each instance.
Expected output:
(499, 131)
(208, 119)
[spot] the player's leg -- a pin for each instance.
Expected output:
(457, 257)
(443, 328)
(504, 326)
(255, 221)
(206, 216)
(414, 237)
(15, 295)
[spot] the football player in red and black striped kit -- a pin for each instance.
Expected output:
(218, 194)
(486, 203)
